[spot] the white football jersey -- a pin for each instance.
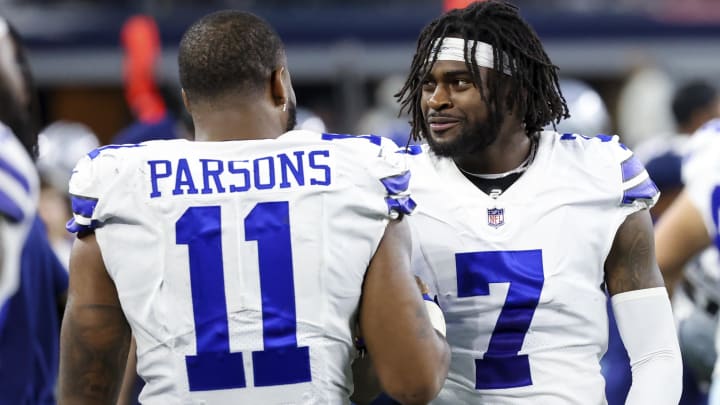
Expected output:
(704, 138)
(703, 187)
(19, 188)
(701, 174)
(520, 276)
(239, 264)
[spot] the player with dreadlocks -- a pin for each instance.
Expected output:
(521, 232)
(535, 88)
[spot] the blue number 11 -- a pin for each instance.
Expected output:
(214, 367)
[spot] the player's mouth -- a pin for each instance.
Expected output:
(440, 124)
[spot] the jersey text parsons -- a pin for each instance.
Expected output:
(207, 176)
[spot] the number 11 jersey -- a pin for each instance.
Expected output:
(239, 264)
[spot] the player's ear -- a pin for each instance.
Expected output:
(277, 89)
(185, 100)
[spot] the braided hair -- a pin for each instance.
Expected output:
(533, 81)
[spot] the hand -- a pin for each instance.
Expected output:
(424, 289)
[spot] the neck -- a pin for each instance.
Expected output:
(239, 121)
(505, 154)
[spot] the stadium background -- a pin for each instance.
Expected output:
(340, 51)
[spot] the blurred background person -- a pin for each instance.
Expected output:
(693, 104)
(142, 46)
(61, 145)
(588, 112)
(687, 228)
(643, 106)
(695, 287)
(384, 117)
(33, 285)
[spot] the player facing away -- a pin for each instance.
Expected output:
(519, 231)
(239, 262)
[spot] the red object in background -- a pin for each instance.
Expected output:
(141, 40)
(453, 4)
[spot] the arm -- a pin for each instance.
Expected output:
(679, 236)
(95, 335)
(642, 311)
(410, 358)
(365, 381)
(127, 390)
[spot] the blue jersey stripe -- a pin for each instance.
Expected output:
(10, 209)
(84, 206)
(398, 183)
(374, 139)
(631, 167)
(12, 172)
(646, 190)
(402, 205)
(95, 152)
(715, 210)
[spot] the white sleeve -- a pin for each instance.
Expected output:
(645, 322)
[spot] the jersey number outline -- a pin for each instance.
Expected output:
(715, 211)
(214, 367)
(502, 366)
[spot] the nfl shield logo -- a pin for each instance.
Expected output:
(496, 217)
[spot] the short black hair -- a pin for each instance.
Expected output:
(690, 98)
(228, 52)
(533, 82)
(23, 120)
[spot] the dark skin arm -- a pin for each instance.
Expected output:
(128, 385)
(365, 381)
(679, 236)
(95, 335)
(410, 359)
(631, 263)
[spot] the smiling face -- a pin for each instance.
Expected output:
(455, 114)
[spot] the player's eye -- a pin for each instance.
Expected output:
(462, 83)
(428, 85)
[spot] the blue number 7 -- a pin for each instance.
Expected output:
(501, 365)
(214, 367)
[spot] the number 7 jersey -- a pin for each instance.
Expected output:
(520, 276)
(239, 264)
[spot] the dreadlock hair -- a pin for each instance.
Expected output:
(22, 119)
(227, 52)
(533, 81)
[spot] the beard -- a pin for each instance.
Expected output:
(292, 117)
(470, 140)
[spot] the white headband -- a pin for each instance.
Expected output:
(454, 49)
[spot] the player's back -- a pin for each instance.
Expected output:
(239, 264)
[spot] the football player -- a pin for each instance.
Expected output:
(240, 262)
(520, 231)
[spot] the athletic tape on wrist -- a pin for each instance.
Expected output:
(437, 319)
